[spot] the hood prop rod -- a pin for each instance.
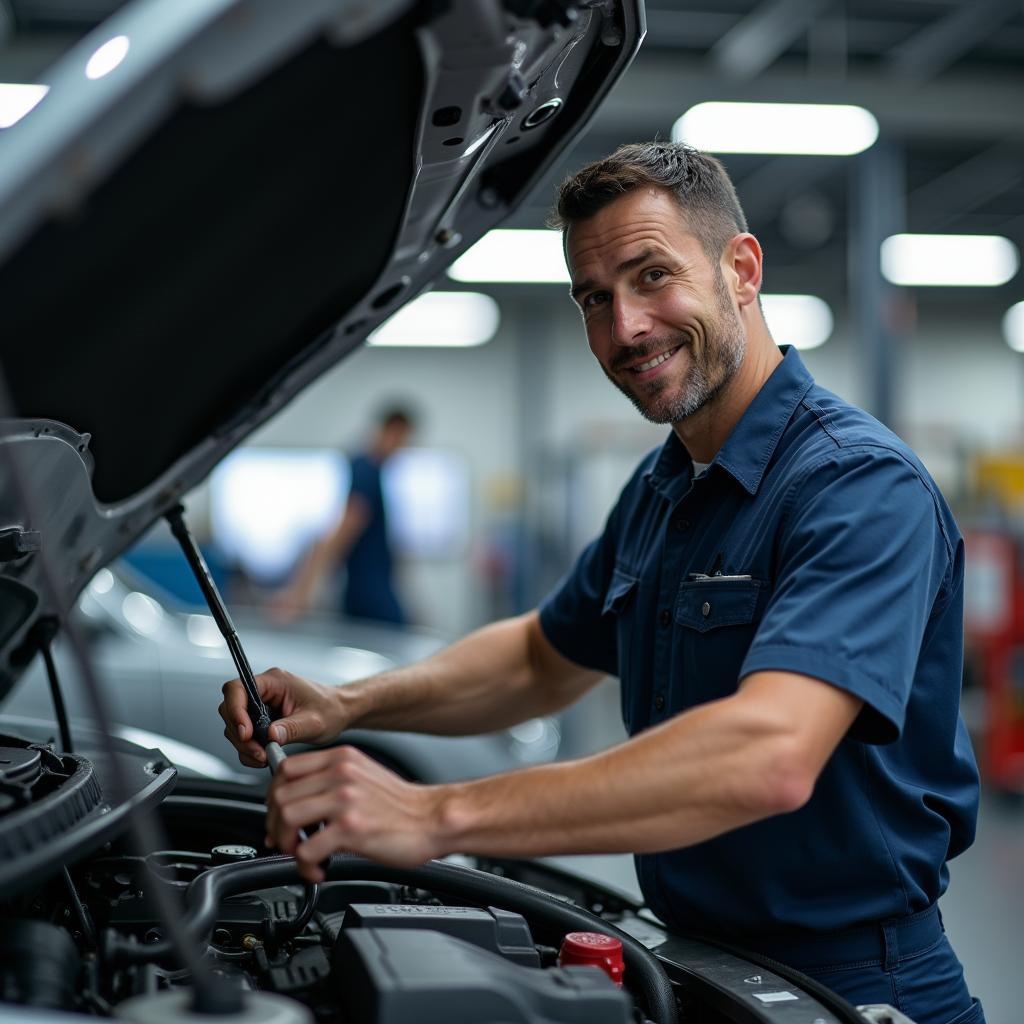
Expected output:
(257, 709)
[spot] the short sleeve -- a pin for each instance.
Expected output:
(571, 615)
(862, 562)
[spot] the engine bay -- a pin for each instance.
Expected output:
(383, 944)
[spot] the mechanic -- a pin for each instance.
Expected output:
(779, 589)
(359, 540)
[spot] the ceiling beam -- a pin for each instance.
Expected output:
(86, 14)
(943, 42)
(26, 60)
(965, 187)
(6, 21)
(759, 39)
(962, 104)
(686, 30)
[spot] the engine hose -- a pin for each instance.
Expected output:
(297, 924)
(207, 890)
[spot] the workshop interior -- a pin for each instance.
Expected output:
(235, 237)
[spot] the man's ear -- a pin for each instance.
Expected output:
(742, 265)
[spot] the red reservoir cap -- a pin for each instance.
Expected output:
(596, 949)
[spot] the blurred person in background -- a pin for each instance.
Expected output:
(779, 589)
(358, 542)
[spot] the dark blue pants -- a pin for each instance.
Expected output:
(907, 963)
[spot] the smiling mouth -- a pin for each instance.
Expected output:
(650, 364)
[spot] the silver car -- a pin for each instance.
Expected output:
(163, 665)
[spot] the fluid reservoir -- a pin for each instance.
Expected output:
(595, 949)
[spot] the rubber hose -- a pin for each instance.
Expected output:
(206, 892)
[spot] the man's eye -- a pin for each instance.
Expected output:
(650, 276)
(594, 299)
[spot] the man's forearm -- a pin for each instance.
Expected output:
(706, 771)
(497, 676)
(713, 769)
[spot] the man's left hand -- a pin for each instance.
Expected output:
(366, 809)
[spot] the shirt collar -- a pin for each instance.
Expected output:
(750, 446)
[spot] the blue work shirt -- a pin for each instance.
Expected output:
(815, 543)
(369, 592)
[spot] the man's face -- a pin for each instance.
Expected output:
(394, 436)
(657, 311)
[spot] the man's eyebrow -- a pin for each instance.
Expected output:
(622, 268)
(635, 261)
(583, 286)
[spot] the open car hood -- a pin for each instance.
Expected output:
(215, 202)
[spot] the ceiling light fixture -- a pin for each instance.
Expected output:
(803, 321)
(441, 320)
(16, 100)
(107, 57)
(808, 129)
(962, 261)
(531, 256)
(1013, 327)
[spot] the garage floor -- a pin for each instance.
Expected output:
(983, 909)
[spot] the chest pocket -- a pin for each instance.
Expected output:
(620, 601)
(716, 619)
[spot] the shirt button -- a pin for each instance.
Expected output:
(659, 703)
(665, 617)
(706, 609)
(680, 524)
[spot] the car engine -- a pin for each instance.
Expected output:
(441, 942)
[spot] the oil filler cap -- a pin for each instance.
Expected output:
(595, 949)
(232, 853)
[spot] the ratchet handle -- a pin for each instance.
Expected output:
(257, 709)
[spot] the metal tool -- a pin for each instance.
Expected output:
(257, 709)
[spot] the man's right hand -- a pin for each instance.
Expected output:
(309, 713)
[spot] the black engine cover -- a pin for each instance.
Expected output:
(497, 931)
(394, 976)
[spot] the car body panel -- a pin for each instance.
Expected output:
(163, 667)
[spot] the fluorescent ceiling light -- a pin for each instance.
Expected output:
(521, 256)
(107, 57)
(954, 260)
(1013, 327)
(804, 321)
(441, 319)
(811, 129)
(16, 100)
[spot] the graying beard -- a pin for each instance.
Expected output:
(700, 391)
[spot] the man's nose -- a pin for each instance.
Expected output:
(631, 323)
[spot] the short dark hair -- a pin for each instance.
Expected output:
(396, 416)
(699, 184)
